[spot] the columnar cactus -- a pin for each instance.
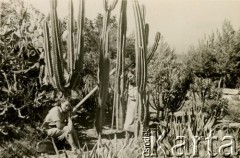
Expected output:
(141, 43)
(154, 47)
(141, 65)
(64, 78)
(120, 90)
(104, 66)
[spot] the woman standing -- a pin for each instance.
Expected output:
(131, 109)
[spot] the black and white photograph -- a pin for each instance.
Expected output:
(119, 78)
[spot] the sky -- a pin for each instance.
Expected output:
(181, 22)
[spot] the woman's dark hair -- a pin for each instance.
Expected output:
(132, 81)
(56, 104)
(131, 77)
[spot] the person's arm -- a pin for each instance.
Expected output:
(69, 127)
(59, 124)
(55, 116)
(131, 93)
(70, 123)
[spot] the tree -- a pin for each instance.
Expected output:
(170, 80)
(217, 56)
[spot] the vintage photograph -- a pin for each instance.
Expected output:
(119, 78)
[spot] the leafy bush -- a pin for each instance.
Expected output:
(234, 110)
(23, 142)
(170, 79)
(217, 107)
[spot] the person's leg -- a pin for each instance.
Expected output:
(71, 138)
(127, 137)
(75, 136)
(54, 132)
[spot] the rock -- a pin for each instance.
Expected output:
(45, 146)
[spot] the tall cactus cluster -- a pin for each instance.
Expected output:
(104, 65)
(142, 31)
(64, 77)
(63, 74)
(120, 96)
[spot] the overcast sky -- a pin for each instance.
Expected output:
(181, 22)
